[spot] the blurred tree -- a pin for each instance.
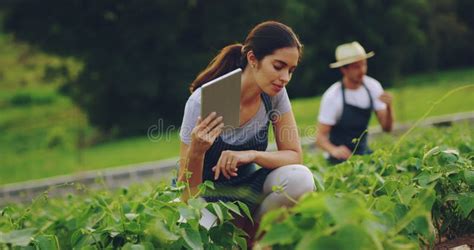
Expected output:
(452, 33)
(140, 56)
(391, 28)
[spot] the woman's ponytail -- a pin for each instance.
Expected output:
(228, 59)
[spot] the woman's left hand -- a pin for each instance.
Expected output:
(230, 160)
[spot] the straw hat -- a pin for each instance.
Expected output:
(348, 53)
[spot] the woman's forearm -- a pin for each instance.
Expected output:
(278, 158)
(191, 168)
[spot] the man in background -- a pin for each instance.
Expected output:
(346, 107)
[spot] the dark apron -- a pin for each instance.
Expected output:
(352, 125)
(248, 185)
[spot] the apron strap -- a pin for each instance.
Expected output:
(370, 97)
(268, 106)
(371, 105)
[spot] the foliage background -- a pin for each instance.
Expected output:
(139, 57)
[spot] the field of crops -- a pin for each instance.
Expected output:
(45, 134)
(407, 195)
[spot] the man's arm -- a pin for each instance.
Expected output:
(322, 140)
(385, 116)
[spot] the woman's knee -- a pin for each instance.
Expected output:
(298, 180)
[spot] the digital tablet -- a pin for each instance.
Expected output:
(222, 95)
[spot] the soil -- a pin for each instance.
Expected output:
(463, 240)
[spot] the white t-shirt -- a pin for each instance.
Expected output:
(330, 110)
(280, 105)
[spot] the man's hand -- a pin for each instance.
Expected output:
(386, 98)
(341, 152)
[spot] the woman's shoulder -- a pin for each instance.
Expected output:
(195, 97)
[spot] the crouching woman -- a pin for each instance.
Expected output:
(236, 160)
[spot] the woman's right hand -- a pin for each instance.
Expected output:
(205, 132)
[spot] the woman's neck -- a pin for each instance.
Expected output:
(250, 91)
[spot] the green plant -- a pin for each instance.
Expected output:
(402, 200)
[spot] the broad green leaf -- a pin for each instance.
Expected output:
(231, 206)
(448, 156)
(451, 151)
(20, 237)
(466, 203)
(133, 227)
(192, 238)
(187, 213)
(131, 216)
(379, 178)
(312, 204)
(281, 233)
(114, 234)
(222, 235)
(414, 163)
(354, 237)
(384, 204)
(271, 218)
(241, 242)
(401, 242)
(390, 186)
(452, 169)
(169, 215)
(213, 247)
(318, 180)
(198, 203)
(345, 209)
(209, 184)
(246, 210)
(130, 246)
(160, 230)
(434, 151)
(469, 177)
(303, 221)
(426, 178)
(421, 206)
(324, 242)
(465, 148)
(218, 211)
(78, 239)
(451, 197)
(140, 208)
(422, 225)
(406, 194)
(49, 242)
(426, 198)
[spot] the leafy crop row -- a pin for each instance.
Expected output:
(398, 198)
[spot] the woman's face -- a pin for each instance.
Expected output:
(274, 71)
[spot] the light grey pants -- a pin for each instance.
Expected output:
(294, 180)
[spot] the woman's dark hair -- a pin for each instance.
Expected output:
(263, 40)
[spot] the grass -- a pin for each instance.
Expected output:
(413, 96)
(40, 130)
